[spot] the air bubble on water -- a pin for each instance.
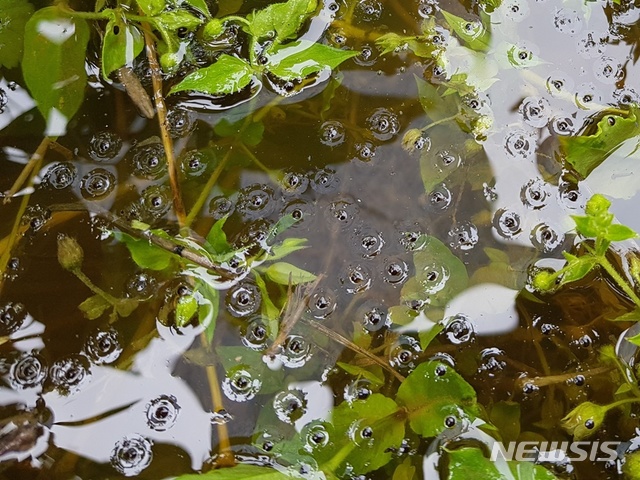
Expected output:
(535, 194)
(559, 83)
(70, 373)
(368, 10)
(395, 271)
(383, 124)
(35, 217)
(520, 144)
(358, 389)
(608, 70)
(132, 455)
(60, 175)
(570, 196)
(626, 96)
(28, 371)
(193, 163)
(256, 201)
(405, 352)
(563, 126)
(567, 21)
(255, 333)
(587, 95)
(439, 199)
(427, 8)
(243, 299)
(290, 405)
(103, 346)
(507, 223)
(12, 317)
(221, 206)
(149, 161)
(356, 279)
(374, 317)
(162, 412)
(296, 352)
(459, 330)
(4, 100)
(141, 285)
(545, 239)
(299, 210)
(343, 211)
(332, 133)
(592, 44)
(240, 385)
(325, 180)
(535, 111)
(367, 57)
(367, 241)
(315, 435)
(104, 146)
(294, 183)
(322, 303)
(180, 122)
(521, 56)
(97, 184)
(156, 201)
(492, 361)
(515, 10)
(463, 236)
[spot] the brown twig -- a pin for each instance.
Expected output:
(27, 172)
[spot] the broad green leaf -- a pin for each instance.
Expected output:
(587, 413)
(94, 306)
(283, 224)
(125, 306)
(269, 310)
(368, 430)
(432, 393)
(427, 336)
(151, 7)
(283, 273)
(121, 44)
(618, 233)
(576, 268)
(144, 253)
(473, 34)
(632, 316)
(227, 75)
(469, 462)
(281, 20)
(435, 105)
(357, 371)
(186, 308)
(404, 471)
(303, 58)
(176, 19)
(239, 472)
(53, 65)
(216, 240)
(288, 245)
(530, 471)
(208, 307)
(13, 17)
(585, 152)
(440, 275)
(200, 5)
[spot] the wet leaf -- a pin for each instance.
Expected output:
(288, 246)
(584, 420)
(468, 462)
(121, 44)
(94, 306)
(176, 19)
(303, 58)
(151, 7)
(435, 105)
(369, 430)
(473, 34)
(227, 75)
(208, 307)
(216, 240)
(269, 310)
(13, 17)
(200, 6)
(585, 152)
(283, 273)
(144, 253)
(282, 19)
(404, 471)
(186, 308)
(632, 316)
(577, 268)
(631, 465)
(357, 372)
(432, 393)
(239, 472)
(125, 306)
(53, 65)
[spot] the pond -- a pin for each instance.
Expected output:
(318, 239)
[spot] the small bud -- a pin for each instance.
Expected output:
(213, 29)
(70, 253)
(170, 62)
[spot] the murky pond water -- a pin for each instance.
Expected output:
(281, 299)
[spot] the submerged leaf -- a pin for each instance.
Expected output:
(303, 58)
(436, 395)
(53, 65)
(281, 20)
(227, 75)
(145, 253)
(13, 17)
(239, 472)
(473, 34)
(585, 152)
(94, 306)
(283, 273)
(584, 420)
(121, 44)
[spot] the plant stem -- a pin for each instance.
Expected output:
(204, 193)
(27, 172)
(613, 273)
(93, 287)
(438, 122)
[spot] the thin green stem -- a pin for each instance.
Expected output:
(93, 287)
(104, 15)
(438, 122)
(613, 273)
(204, 193)
(622, 402)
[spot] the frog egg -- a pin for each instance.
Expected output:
(60, 176)
(103, 347)
(97, 184)
(28, 371)
(240, 385)
(290, 405)
(162, 412)
(131, 455)
(243, 299)
(104, 146)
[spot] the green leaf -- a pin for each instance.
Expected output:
(281, 20)
(358, 371)
(186, 308)
(369, 430)
(505, 416)
(577, 268)
(435, 105)
(208, 307)
(404, 471)
(239, 472)
(468, 462)
(576, 421)
(200, 5)
(283, 273)
(288, 245)
(216, 240)
(618, 233)
(121, 44)
(125, 306)
(283, 224)
(585, 152)
(53, 65)
(94, 306)
(433, 392)
(473, 34)
(13, 17)
(586, 227)
(151, 7)
(176, 19)
(632, 316)
(303, 58)
(144, 253)
(269, 310)
(631, 465)
(427, 336)
(228, 75)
